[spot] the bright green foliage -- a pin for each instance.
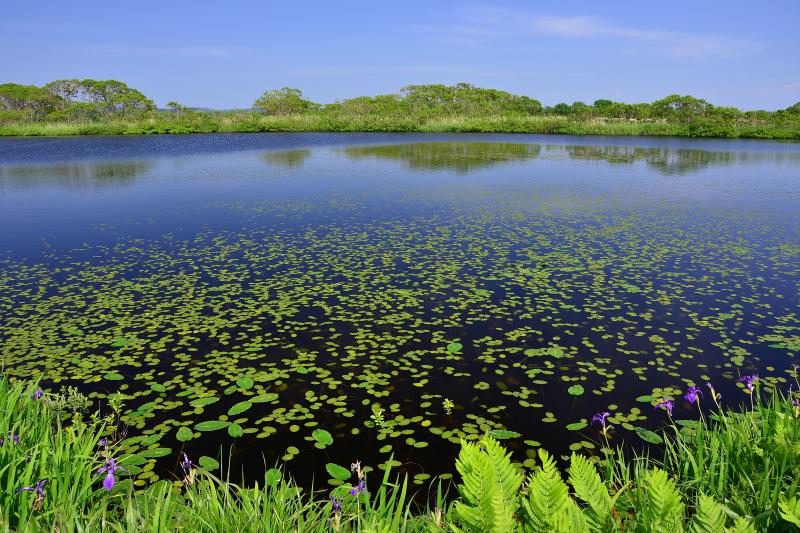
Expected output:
(590, 488)
(710, 516)
(548, 506)
(489, 489)
(664, 512)
(790, 510)
(286, 101)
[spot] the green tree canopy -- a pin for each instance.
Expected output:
(285, 101)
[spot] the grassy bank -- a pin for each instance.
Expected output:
(194, 122)
(725, 471)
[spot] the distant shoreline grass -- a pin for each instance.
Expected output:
(194, 122)
(728, 471)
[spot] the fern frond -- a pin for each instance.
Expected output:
(790, 510)
(741, 525)
(489, 489)
(549, 506)
(710, 516)
(590, 488)
(665, 509)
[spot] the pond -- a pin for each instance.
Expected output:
(322, 298)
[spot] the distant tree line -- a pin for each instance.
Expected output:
(97, 106)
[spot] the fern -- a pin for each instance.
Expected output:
(490, 485)
(710, 516)
(549, 506)
(664, 509)
(790, 510)
(590, 488)
(741, 525)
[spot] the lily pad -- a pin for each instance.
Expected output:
(338, 472)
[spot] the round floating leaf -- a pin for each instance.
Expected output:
(649, 436)
(158, 387)
(155, 452)
(239, 408)
(245, 383)
(264, 398)
(202, 402)
(692, 424)
(272, 477)
(235, 430)
(322, 437)
(209, 463)
(184, 434)
(338, 472)
(211, 425)
(576, 426)
(502, 434)
(454, 347)
(575, 390)
(114, 376)
(647, 398)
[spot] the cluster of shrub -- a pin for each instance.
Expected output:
(104, 101)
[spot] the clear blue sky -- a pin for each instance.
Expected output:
(223, 54)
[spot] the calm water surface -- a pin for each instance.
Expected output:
(282, 283)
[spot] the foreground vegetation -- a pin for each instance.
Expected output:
(727, 471)
(110, 107)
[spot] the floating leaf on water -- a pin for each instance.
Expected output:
(649, 436)
(211, 425)
(202, 402)
(647, 398)
(338, 472)
(155, 452)
(502, 434)
(245, 383)
(454, 347)
(114, 376)
(322, 437)
(209, 463)
(184, 434)
(272, 477)
(158, 387)
(692, 424)
(576, 426)
(264, 398)
(239, 408)
(235, 430)
(575, 390)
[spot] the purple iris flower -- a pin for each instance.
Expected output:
(38, 488)
(749, 381)
(110, 469)
(601, 418)
(11, 438)
(358, 489)
(667, 405)
(103, 443)
(37, 394)
(186, 463)
(693, 395)
(336, 504)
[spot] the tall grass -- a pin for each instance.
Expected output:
(243, 122)
(728, 470)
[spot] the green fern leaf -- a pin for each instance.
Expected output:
(489, 487)
(549, 506)
(665, 509)
(710, 516)
(790, 510)
(590, 488)
(741, 525)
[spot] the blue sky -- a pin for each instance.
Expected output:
(224, 54)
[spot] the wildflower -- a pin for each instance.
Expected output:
(693, 395)
(110, 469)
(38, 488)
(667, 405)
(11, 438)
(103, 443)
(336, 505)
(601, 419)
(749, 381)
(356, 469)
(186, 466)
(336, 513)
(37, 394)
(359, 489)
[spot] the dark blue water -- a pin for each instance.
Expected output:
(335, 270)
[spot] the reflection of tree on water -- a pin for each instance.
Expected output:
(462, 157)
(286, 158)
(74, 175)
(671, 160)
